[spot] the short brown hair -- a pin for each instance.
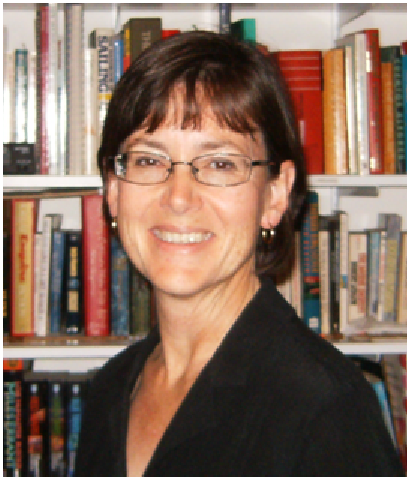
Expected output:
(245, 90)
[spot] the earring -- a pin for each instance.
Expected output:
(114, 223)
(267, 235)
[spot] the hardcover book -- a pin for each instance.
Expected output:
(22, 263)
(120, 283)
(96, 267)
(72, 284)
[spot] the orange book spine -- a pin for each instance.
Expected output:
(334, 103)
(389, 157)
(22, 266)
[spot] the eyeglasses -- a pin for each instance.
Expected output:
(220, 169)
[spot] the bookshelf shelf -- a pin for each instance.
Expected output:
(39, 182)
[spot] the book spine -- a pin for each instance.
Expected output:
(22, 259)
(296, 277)
(382, 267)
(389, 159)
(32, 98)
(56, 281)
(126, 46)
(244, 30)
(118, 57)
(374, 82)
(61, 107)
(343, 270)
(141, 314)
(335, 140)
(57, 431)
(12, 423)
(42, 324)
(6, 283)
(402, 298)
(324, 272)
(362, 120)
(43, 75)
(404, 82)
(72, 287)
(51, 115)
(399, 133)
(143, 33)
(334, 273)
(96, 273)
(21, 95)
(302, 70)
(350, 109)
(310, 265)
(8, 97)
(73, 422)
(373, 245)
(91, 112)
(357, 276)
(225, 12)
(120, 285)
(74, 40)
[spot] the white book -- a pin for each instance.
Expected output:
(32, 97)
(8, 98)
(402, 298)
(343, 270)
(324, 273)
(357, 275)
(37, 276)
(91, 112)
(52, 117)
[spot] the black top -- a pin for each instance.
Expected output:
(274, 400)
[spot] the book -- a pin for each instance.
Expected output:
(21, 95)
(141, 312)
(8, 97)
(375, 111)
(167, 33)
(310, 264)
(382, 267)
(50, 223)
(56, 426)
(373, 267)
(343, 269)
(117, 56)
(75, 399)
(96, 267)
(324, 238)
(244, 30)
(75, 99)
(72, 303)
(388, 94)
(403, 166)
(12, 422)
(91, 113)
(392, 224)
(101, 39)
(23, 216)
(302, 71)
(225, 13)
(120, 289)
(335, 137)
(402, 295)
(35, 399)
(357, 77)
(357, 276)
(56, 281)
(334, 268)
(296, 277)
(139, 34)
(19, 159)
(7, 230)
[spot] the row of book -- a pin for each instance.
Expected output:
(350, 100)
(59, 282)
(349, 282)
(42, 415)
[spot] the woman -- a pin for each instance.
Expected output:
(204, 177)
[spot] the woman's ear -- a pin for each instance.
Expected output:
(112, 194)
(277, 199)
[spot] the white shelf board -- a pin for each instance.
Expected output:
(107, 351)
(40, 182)
(380, 180)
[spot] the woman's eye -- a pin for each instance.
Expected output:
(222, 165)
(145, 161)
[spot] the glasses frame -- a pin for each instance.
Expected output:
(170, 170)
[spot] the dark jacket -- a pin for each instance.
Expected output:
(275, 400)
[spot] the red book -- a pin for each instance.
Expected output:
(302, 70)
(96, 267)
(23, 222)
(168, 33)
(42, 85)
(375, 109)
(403, 47)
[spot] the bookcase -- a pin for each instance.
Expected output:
(279, 26)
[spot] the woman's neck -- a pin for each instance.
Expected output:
(192, 328)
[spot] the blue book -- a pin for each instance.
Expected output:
(117, 57)
(225, 11)
(244, 30)
(373, 263)
(56, 280)
(310, 264)
(120, 288)
(74, 411)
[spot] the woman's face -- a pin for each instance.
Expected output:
(183, 235)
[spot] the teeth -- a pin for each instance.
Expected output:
(174, 237)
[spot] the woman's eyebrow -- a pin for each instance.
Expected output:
(153, 143)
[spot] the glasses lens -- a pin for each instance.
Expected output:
(222, 169)
(142, 167)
